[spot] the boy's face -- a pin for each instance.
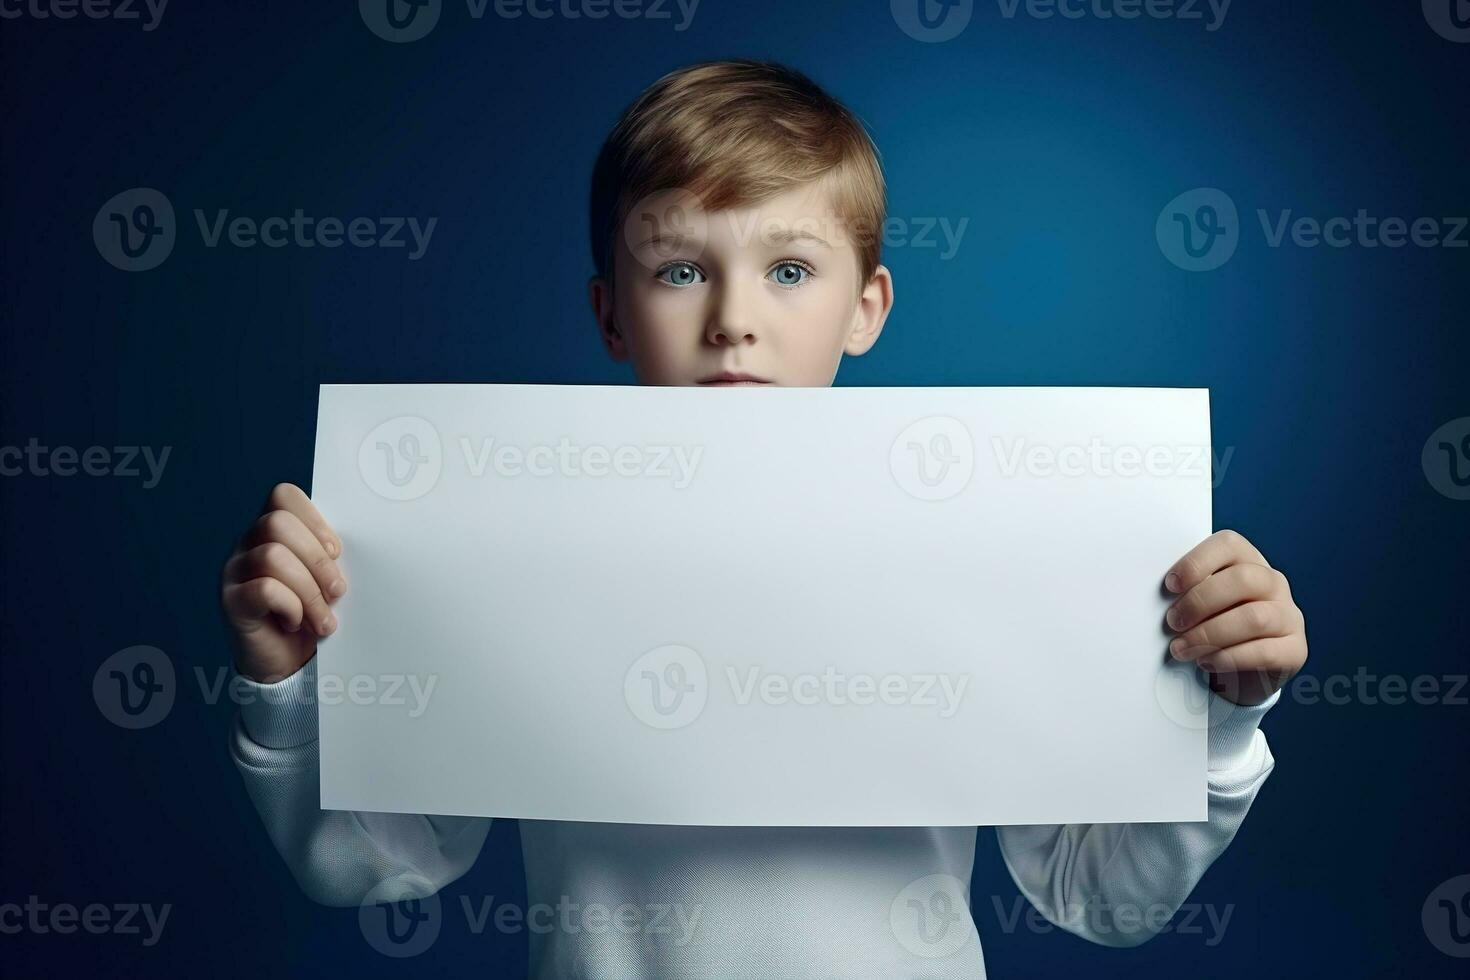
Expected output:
(765, 294)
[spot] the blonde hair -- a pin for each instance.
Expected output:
(735, 133)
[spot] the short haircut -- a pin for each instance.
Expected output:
(736, 133)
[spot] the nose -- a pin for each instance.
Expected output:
(732, 320)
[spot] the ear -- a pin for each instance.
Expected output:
(872, 312)
(599, 291)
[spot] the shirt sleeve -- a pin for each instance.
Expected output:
(338, 857)
(1119, 884)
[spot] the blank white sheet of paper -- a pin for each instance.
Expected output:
(762, 606)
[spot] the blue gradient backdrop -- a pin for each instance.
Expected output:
(1059, 141)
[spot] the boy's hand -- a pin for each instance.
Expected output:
(1235, 618)
(278, 586)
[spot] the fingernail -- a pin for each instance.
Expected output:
(337, 588)
(1171, 582)
(331, 549)
(293, 627)
(1207, 665)
(1176, 646)
(1172, 617)
(329, 624)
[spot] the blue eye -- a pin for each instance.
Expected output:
(680, 274)
(789, 274)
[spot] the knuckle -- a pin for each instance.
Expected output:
(1195, 610)
(1259, 616)
(272, 524)
(1185, 610)
(1231, 537)
(1283, 618)
(258, 589)
(272, 554)
(1259, 578)
(1189, 570)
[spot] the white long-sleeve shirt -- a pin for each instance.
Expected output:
(635, 901)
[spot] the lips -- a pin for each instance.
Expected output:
(732, 378)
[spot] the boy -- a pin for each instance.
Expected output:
(734, 218)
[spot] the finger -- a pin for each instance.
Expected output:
(1251, 621)
(291, 498)
(285, 527)
(1275, 657)
(276, 561)
(1220, 550)
(1226, 588)
(248, 604)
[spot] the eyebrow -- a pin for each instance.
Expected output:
(661, 239)
(796, 235)
(785, 237)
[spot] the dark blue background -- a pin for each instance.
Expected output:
(1060, 141)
